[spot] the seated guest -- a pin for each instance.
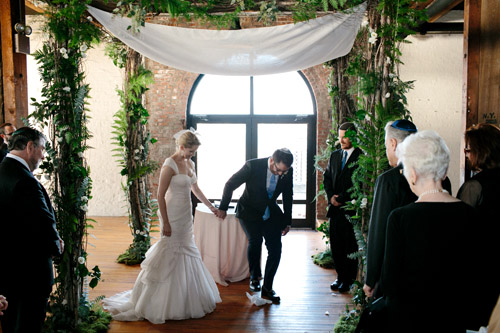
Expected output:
(428, 245)
(482, 191)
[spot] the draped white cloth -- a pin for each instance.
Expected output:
(256, 51)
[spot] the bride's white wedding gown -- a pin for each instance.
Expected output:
(173, 282)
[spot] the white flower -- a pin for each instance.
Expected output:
(84, 208)
(84, 55)
(137, 151)
(67, 89)
(373, 34)
(353, 201)
(364, 202)
(137, 232)
(90, 18)
(364, 23)
(80, 154)
(65, 56)
(63, 51)
(372, 40)
(142, 233)
(64, 302)
(83, 47)
(367, 117)
(81, 260)
(137, 158)
(387, 95)
(84, 199)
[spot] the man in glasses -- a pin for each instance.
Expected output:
(259, 214)
(391, 191)
(6, 131)
(28, 235)
(337, 180)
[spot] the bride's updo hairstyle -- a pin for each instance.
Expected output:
(188, 139)
(425, 152)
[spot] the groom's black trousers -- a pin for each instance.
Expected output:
(269, 230)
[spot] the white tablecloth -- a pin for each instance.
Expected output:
(222, 244)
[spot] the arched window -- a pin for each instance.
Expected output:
(240, 118)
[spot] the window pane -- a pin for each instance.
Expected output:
(293, 137)
(285, 93)
(221, 154)
(222, 95)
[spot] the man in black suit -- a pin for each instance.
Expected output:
(6, 130)
(337, 180)
(259, 214)
(28, 234)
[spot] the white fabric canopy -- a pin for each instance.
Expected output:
(245, 52)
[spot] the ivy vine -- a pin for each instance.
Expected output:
(62, 113)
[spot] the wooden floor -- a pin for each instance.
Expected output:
(307, 304)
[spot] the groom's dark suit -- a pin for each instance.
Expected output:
(250, 209)
(28, 240)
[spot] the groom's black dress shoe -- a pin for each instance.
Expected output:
(344, 287)
(335, 285)
(254, 285)
(270, 295)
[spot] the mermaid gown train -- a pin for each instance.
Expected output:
(173, 283)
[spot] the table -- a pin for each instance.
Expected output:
(222, 244)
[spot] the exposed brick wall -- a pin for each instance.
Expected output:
(167, 99)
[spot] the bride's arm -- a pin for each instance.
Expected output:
(199, 194)
(165, 178)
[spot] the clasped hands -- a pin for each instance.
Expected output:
(333, 201)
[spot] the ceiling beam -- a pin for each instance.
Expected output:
(440, 8)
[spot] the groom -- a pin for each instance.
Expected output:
(28, 235)
(259, 214)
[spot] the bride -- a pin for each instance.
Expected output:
(173, 282)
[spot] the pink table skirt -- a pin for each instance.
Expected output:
(222, 244)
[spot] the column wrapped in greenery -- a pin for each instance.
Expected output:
(133, 139)
(62, 113)
(380, 95)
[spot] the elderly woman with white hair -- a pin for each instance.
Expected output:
(427, 246)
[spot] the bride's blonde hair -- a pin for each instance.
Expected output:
(188, 139)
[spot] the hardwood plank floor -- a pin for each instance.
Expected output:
(303, 287)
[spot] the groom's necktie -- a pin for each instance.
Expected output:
(344, 159)
(270, 192)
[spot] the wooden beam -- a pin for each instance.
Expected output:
(444, 10)
(470, 93)
(14, 71)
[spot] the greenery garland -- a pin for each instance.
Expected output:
(133, 140)
(380, 96)
(62, 112)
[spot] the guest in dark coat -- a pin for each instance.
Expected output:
(6, 130)
(27, 233)
(337, 180)
(428, 245)
(482, 191)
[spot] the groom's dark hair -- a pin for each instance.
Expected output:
(283, 155)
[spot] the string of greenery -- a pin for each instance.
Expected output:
(62, 113)
(133, 139)
(370, 77)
